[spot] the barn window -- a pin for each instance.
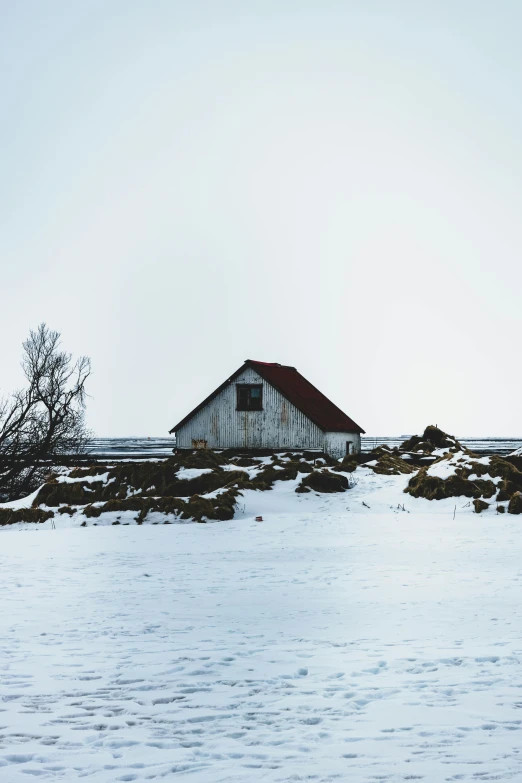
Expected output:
(348, 446)
(249, 397)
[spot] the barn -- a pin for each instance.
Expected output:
(268, 406)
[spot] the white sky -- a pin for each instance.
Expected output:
(332, 185)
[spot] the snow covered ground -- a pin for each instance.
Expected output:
(330, 642)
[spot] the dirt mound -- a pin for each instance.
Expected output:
(515, 459)
(461, 473)
(348, 465)
(192, 485)
(510, 475)
(515, 504)
(266, 478)
(148, 479)
(11, 517)
(199, 458)
(222, 507)
(431, 439)
(434, 488)
(480, 505)
(389, 462)
(303, 467)
(244, 462)
(323, 481)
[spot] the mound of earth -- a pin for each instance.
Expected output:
(389, 462)
(464, 474)
(431, 440)
(170, 478)
(323, 481)
(515, 504)
(199, 458)
(11, 517)
(221, 506)
(516, 459)
(480, 505)
(348, 464)
(200, 485)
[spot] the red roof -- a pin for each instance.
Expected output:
(297, 390)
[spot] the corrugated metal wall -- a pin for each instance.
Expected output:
(278, 426)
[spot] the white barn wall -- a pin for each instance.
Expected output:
(280, 425)
(335, 443)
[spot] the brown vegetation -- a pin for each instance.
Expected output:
(348, 465)
(515, 504)
(323, 481)
(422, 485)
(431, 439)
(11, 517)
(390, 463)
(460, 484)
(148, 479)
(150, 487)
(220, 507)
(480, 505)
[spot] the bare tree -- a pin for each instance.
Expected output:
(45, 420)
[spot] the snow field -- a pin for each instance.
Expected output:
(329, 642)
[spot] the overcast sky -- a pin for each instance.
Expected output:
(331, 185)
